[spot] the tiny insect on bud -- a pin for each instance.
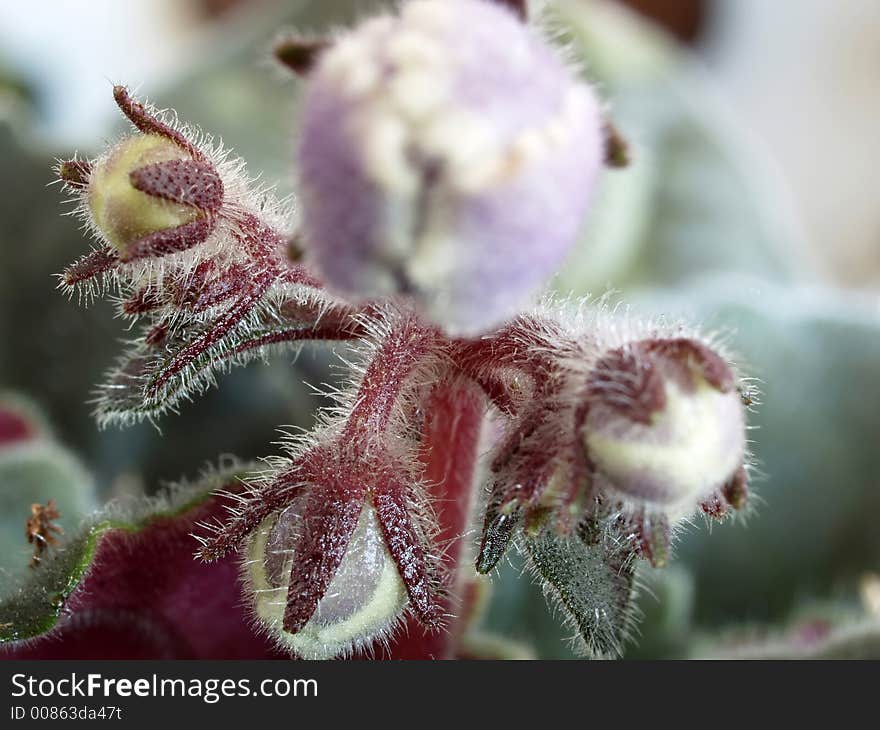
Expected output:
(147, 196)
(362, 603)
(665, 428)
(449, 155)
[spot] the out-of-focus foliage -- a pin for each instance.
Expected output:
(34, 469)
(847, 627)
(817, 354)
(696, 197)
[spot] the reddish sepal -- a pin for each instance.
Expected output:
(407, 550)
(171, 240)
(148, 124)
(329, 518)
(90, 266)
(191, 182)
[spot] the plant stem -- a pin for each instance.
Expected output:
(450, 443)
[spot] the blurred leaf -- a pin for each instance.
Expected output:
(814, 521)
(698, 197)
(848, 639)
(53, 348)
(666, 605)
(127, 585)
(34, 470)
(20, 420)
(480, 645)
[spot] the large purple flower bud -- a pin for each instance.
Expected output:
(447, 154)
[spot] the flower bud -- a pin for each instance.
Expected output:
(147, 196)
(664, 428)
(363, 602)
(447, 154)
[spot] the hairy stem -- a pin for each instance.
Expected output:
(450, 443)
(401, 352)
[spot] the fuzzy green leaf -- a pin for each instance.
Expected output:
(592, 581)
(34, 473)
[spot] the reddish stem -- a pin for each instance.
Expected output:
(450, 441)
(520, 346)
(401, 352)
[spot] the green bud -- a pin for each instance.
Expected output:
(124, 214)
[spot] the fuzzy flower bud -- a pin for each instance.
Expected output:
(151, 194)
(665, 428)
(447, 154)
(123, 213)
(363, 601)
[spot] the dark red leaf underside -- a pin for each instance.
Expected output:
(144, 596)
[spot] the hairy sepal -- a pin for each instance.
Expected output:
(150, 380)
(352, 488)
(590, 577)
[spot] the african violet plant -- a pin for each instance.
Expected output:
(446, 158)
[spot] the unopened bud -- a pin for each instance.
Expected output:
(362, 603)
(665, 426)
(147, 196)
(446, 154)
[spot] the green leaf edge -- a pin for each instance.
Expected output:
(50, 586)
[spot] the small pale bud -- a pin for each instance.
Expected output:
(446, 154)
(362, 603)
(123, 213)
(665, 426)
(148, 196)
